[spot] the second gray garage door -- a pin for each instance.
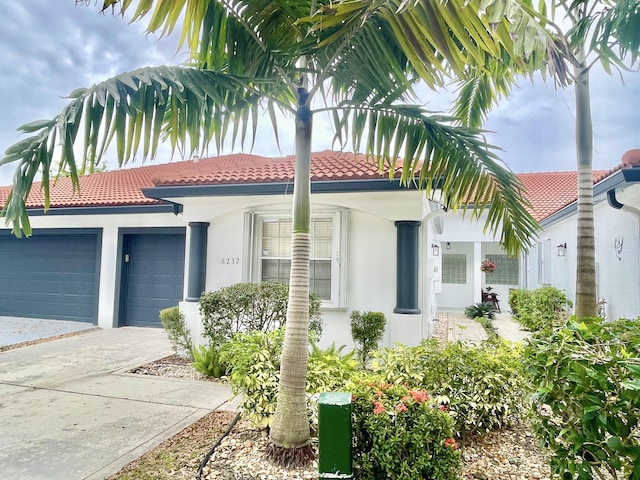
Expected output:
(152, 276)
(52, 274)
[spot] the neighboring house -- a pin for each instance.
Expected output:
(616, 196)
(138, 240)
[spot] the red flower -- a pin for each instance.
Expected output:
(401, 408)
(487, 266)
(443, 408)
(450, 443)
(378, 408)
(419, 396)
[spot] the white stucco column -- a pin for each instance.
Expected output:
(108, 271)
(477, 274)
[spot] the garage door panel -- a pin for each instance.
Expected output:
(50, 276)
(153, 276)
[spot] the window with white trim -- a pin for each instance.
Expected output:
(272, 253)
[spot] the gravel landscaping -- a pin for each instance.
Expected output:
(504, 455)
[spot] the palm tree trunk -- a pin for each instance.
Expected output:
(585, 305)
(290, 424)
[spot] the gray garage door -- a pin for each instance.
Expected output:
(49, 276)
(153, 277)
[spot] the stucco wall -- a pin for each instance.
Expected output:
(369, 259)
(617, 272)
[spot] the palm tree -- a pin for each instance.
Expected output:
(606, 33)
(593, 32)
(363, 57)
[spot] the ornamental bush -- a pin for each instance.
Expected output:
(206, 360)
(174, 324)
(247, 307)
(588, 397)
(480, 310)
(484, 385)
(540, 309)
(367, 329)
(400, 432)
(253, 361)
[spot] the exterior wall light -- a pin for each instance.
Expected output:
(435, 249)
(562, 249)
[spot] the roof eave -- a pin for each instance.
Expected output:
(629, 176)
(273, 188)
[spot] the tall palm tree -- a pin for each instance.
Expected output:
(591, 32)
(363, 57)
(599, 32)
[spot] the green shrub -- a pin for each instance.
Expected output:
(329, 369)
(206, 360)
(174, 324)
(484, 310)
(588, 397)
(516, 297)
(543, 308)
(401, 433)
(254, 371)
(247, 307)
(254, 366)
(484, 385)
(367, 329)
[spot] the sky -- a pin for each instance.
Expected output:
(50, 48)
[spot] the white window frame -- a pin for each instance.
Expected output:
(544, 263)
(253, 244)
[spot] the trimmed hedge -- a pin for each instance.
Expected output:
(248, 307)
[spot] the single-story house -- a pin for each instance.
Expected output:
(141, 239)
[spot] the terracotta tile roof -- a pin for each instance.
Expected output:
(243, 168)
(547, 192)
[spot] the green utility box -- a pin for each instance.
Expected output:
(334, 435)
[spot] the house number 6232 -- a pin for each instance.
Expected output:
(230, 261)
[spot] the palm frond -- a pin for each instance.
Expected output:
(192, 107)
(249, 38)
(482, 88)
(452, 161)
(615, 32)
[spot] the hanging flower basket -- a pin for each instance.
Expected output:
(487, 266)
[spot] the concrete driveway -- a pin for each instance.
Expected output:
(69, 411)
(18, 330)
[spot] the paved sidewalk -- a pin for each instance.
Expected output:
(468, 330)
(69, 410)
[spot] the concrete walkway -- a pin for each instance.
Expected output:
(465, 329)
(69, 410)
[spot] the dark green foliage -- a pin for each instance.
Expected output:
(367, 329)
(540, 309)
(588, 397)
(206, 360)
(254, 366)
(179, 337)
(485, 310)
(248, 307)
(401, 433)
(485, 385)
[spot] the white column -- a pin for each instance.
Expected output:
(477, 274)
